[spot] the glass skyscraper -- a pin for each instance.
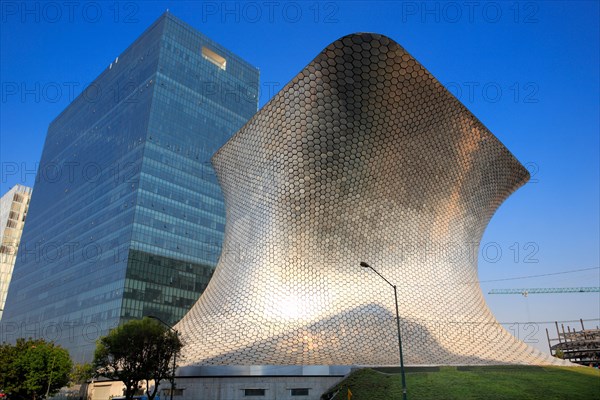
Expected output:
(13, 212)
(126, 217)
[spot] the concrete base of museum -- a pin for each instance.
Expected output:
(265, 382)
(251, 387)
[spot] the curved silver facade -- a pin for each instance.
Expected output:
(363, 156)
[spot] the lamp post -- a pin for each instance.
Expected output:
(174, 353)
(365, 265)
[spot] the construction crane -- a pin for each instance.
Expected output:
(526, 292)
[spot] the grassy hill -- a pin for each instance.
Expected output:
(489, 383)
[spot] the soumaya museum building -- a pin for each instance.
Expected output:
(127, 216)
(364, 157)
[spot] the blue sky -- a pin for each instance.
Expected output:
(529, 71)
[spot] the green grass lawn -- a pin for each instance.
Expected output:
(489, 383)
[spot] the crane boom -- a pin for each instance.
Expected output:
(526, 292)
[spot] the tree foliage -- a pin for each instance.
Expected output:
(140, 350)
(81, 373)
(30, 369)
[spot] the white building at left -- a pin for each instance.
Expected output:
(13, 211)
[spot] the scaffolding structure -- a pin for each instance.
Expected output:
(581, 347)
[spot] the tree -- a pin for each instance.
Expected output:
(81, 373)
(139, 350)
(33, 369)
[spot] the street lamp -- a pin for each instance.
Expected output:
(174, 353)
(365, 265)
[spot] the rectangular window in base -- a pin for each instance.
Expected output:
(254, 392)
(299, 392)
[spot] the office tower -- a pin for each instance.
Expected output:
(13, 211)
(127, 217)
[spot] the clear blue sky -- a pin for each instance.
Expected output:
(529, 71)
